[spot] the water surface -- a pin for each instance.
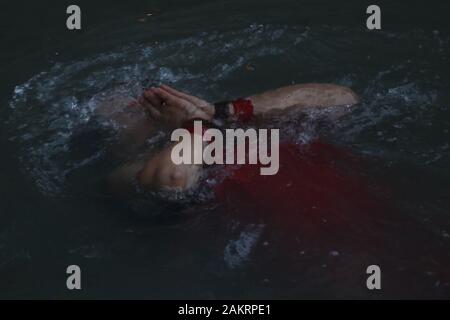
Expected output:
(55, 211)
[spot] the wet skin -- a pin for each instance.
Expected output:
(171, 108)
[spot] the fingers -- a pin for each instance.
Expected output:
(153, 99)
(167, 97)
(152, 110)
(166, 102)
(154, 103)
(180, 94)
(133, 104)
(154, 113)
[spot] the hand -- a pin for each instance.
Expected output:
(174, 107)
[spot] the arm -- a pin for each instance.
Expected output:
(180, 106)
(303, 95)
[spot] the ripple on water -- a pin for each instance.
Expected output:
(47, 110)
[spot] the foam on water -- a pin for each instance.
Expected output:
(238, 251)
(52, 105)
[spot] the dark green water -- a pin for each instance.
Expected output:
(53, 213)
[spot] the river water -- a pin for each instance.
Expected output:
(54, 212)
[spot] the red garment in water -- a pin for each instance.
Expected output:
(319, 201)
(314, 185)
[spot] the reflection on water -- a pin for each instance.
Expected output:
(403, 122)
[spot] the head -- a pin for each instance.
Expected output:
(159, 172)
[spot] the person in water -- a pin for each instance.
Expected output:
(319, 200)
(313, 183)
(172, 108)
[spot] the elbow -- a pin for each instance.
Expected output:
(348, 97)
(342, 96)
(353, 97)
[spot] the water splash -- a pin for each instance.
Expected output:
(46, 111)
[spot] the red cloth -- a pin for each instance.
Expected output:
(319, 201)
(313, 188)
(243, 109)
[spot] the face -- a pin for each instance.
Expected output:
(159, 172)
